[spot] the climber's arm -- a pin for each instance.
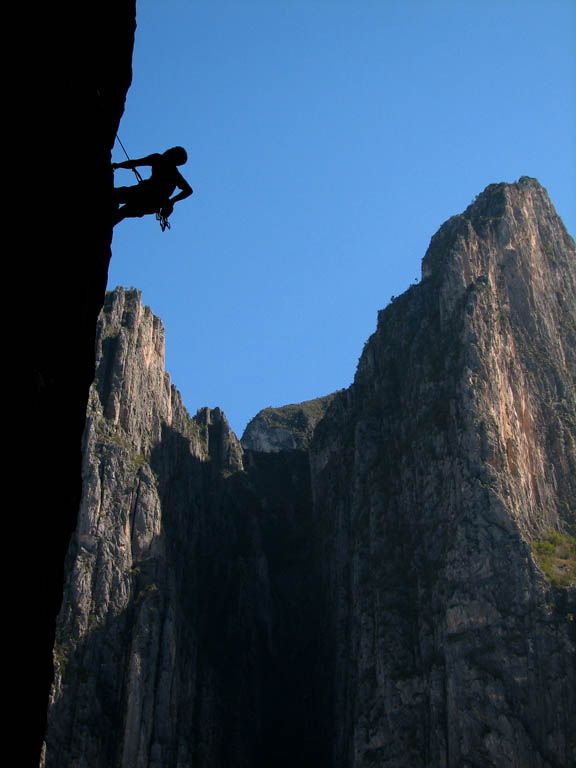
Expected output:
(131, 164)
(186, 189)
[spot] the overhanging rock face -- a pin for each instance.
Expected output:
(69, 83)
(361, 581)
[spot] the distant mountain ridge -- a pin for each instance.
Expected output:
(384, 576)
(290, 427)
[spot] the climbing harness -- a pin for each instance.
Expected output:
(164, 223)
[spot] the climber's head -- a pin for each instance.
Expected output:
(176, 155)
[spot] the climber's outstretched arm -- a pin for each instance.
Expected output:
(131, 164)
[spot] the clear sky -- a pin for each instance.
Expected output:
(328, 140)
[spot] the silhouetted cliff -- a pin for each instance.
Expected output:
(385, 576)
(68, 80)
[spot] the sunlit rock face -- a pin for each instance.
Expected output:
(288, 428)
(361, 581)
(452, 451)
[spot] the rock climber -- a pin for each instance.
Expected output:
(152, 195)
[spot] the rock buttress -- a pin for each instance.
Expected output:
(452, 453)
(184, 637)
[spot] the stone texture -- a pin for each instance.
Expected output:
(453, 449)
(354, 584)
(285, 429)
(185, 603)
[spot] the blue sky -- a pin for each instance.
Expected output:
(328, 140)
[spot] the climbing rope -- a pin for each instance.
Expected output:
(136, 173)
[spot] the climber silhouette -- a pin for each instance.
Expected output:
(152, 195)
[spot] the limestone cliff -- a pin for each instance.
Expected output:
(285, 429)
(381, 577)
(453, 450)
(184, 587)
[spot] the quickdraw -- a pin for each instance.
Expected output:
(164, 223)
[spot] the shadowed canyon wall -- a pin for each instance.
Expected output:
(190, 592)
(384, 576)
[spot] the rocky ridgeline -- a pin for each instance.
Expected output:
(285, 429)
(380, 577)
